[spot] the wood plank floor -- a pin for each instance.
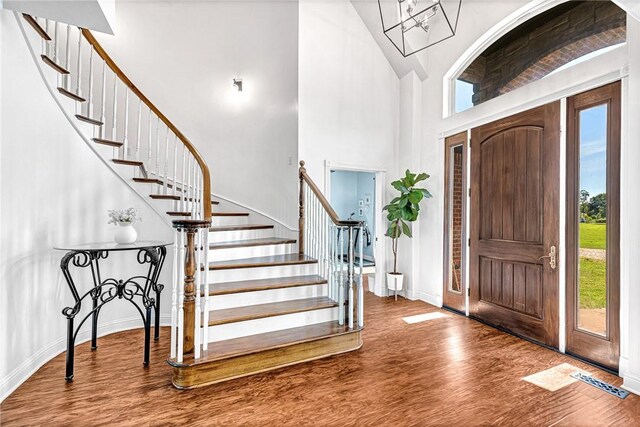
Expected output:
(448, 371)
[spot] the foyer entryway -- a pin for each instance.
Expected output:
(514, 223)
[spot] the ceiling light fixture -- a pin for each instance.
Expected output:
(414, 25)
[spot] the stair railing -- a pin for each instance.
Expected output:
(142, 137)
(332, 241)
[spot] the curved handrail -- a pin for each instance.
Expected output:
(325, 203)
(206, 190)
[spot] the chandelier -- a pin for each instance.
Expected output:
(414, 25)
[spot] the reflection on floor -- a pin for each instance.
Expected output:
(445, 371)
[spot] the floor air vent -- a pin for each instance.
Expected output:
(618, 392)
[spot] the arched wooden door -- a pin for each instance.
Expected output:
(514, 223)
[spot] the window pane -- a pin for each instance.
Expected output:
(455, 218)
(592, 274)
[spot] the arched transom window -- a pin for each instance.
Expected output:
(555, 39)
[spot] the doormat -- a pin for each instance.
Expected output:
(553, 379)
(611, 389)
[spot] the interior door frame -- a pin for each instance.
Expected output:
(379, 247)
(578, 341)
(449, 299)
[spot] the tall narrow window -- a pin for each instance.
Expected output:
(593, 225)
(592, 219)
(455, 188)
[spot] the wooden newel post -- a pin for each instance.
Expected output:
(301, 173)
(189, 291)
(190, 228)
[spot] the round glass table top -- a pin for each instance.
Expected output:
(112, 246)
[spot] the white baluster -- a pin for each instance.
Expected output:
(307, 212)
(166, 161)
(47, 45)
(193, 189)
(174, 295)
(67, 78)
(341, 277)
(79, 68)
(198, 316)
(103, 98)
(175, 165)
(189, 200)
(90, 93)
(149, 141)
(181, 299)
(350, 277)
(55, 42)
(158, 148)
(125, 146)
(115, 108)
(183, 201)
(360, 282)
(205, 330)
(139, 129)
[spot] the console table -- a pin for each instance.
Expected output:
(89, 255)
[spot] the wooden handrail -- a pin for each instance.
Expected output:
(206, 190)
(323, 201)
(306, 179)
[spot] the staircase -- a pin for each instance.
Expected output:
(244, 300)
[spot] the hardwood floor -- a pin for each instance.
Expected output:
(446, 371)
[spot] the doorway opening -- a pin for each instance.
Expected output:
(353, 196)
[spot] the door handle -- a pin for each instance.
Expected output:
(552, 258)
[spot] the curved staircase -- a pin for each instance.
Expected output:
(243, 299)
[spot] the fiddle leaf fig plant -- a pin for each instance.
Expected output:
(404, 209)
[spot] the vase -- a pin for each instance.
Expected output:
(125, 233)
(394, 282)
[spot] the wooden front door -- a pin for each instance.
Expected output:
(514, 223)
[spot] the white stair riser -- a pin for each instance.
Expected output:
(230, 220)
(270, 324)
(250, 252)
(236, 274)
(235, 235)
(263, 297)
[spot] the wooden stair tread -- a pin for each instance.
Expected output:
(271, 340)
(164, 197)
(267, 241)
(127, 162)
(36, 26)
(178, 213)
(147, 180)
(230, 214)
(240, 227)
(266, 261)
(260, 311)
(264, 284)
(71, 95)
(89, 120)
(107, 142)
(51, 63)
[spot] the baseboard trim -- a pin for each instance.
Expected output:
(29, 366)
(631, 383)
(428, 298)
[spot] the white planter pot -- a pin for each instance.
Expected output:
(394, 282)
(125, 233)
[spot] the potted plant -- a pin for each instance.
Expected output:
(124, 219)
(401, 211)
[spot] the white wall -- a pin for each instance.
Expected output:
(348, 96)
(630, 229)
(53, 190)
(348, 92)
(183, 55)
